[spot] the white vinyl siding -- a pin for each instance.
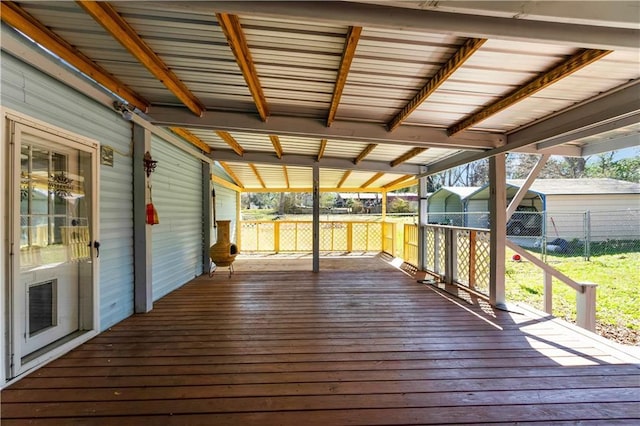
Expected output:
(611, 216)
(177, 241)
(35, 94)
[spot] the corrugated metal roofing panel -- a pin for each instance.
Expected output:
(389, 67)
(90, 38)
(387, 178)
(329, 178)
(247, 178)
(343, 149)
(272, 175)
(193, 46)
(300, 177)
(253, 141)
(210, 138)
(311, 52)
(299, 145)
(599, 77)
(358, 178)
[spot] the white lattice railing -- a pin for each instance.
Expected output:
(462, 256)
(456, 255)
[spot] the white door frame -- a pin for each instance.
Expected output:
(12, 366)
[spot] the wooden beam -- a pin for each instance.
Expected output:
(362, 132)
(454, 62)
(275, 141)
(255, 172)
(191, 138)
(310, 189)
(231, 173)
(286, 175)
(397, 181)
(16, 17)
(343, 178)
(230, 25)
(365, 152)
(323, 146)
(405, 184)
(558, 72)
(218, 180)
(235, 146)
(348, 52)
(373, 179)
(407, 156)
(110, 19)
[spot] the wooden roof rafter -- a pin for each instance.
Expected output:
(230, 25)
(231, 173)
(257, 173)
(366, 151)
(401, 185)
(107, 16)
(574, 63)
(230, 140)
(323, 146)
(455, 62)
(277, 146)
(285, 172)
(16, 17)
(397, 181)
(407, 156)
(191, 138)
(348, 52)
(344, 177)
(372, 179)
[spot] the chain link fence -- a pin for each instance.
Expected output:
(579, 233)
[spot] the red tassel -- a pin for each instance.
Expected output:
(152, 215)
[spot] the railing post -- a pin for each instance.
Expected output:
(393, 239)
(436, 251)
(472, 259)
(548, 293)
(349, 237)
(450, 255)
(276, 237)
(586, 306)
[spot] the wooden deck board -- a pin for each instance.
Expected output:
(337, 347)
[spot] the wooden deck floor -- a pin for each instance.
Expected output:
(358, 346)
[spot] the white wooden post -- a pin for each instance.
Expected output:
(498, 227)
(316, 218)
(142, 247)
(586, 306)
(422, 220)
(548, 293)
(452, 255)
(207, 187)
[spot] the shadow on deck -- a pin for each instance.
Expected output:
(358, 343)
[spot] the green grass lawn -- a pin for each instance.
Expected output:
(618, 293)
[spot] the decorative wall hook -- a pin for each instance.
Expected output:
(149, 163)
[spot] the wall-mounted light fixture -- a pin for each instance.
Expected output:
(124, 109)
(149, 163)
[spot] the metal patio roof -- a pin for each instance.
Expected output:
(371, 92)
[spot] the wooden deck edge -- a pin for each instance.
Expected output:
(615, 349)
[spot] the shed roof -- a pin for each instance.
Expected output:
(460, 191)
(595, 186)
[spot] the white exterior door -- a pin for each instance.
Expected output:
(53, 187)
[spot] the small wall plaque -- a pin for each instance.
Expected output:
(106, 155)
